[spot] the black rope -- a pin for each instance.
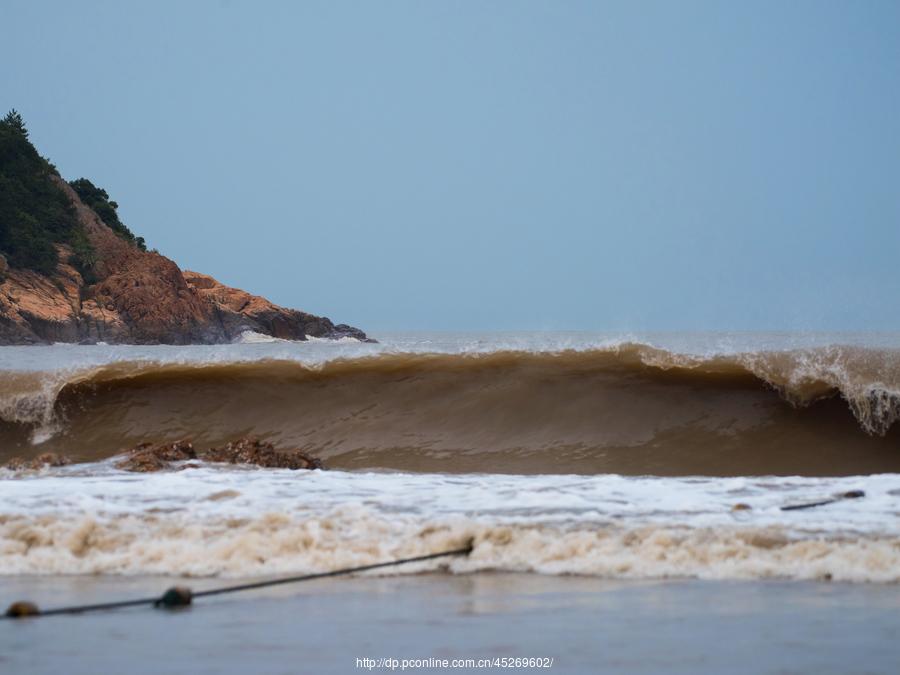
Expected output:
(94, 608)
(809, 505)
(852, 494)
(176, 597)
(322, 575)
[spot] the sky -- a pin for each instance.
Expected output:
(624, 166)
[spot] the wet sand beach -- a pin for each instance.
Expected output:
(583, 624)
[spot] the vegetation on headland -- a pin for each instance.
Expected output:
(99, 201)
(35, 214)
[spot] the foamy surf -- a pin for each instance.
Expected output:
(214, 521)
(249, 337)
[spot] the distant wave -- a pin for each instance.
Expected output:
(628, 408)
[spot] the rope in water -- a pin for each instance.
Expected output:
(852, 494)
(181, 596)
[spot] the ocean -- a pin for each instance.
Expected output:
(601, 458)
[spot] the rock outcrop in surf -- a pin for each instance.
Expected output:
(70, 275)
(50, 459)
(149, 457)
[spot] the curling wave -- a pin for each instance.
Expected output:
(628, 408)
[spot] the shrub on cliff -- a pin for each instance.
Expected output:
(98, 199)
(34, 213)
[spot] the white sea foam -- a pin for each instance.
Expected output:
(240, 522)
(249, 337)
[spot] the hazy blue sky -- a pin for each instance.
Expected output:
(475, 165)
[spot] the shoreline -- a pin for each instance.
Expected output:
(583, 624)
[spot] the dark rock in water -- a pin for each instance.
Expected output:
(46, 459)
(343, 330)
(261, 453)
(149, 457)
(159, 457)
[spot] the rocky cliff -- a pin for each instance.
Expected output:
(137, 297)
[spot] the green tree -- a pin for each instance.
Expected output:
(34, 213)
(98, 199)
(14, 121)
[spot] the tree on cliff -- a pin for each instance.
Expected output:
(34, 213)
(98, 199)
(15, 122)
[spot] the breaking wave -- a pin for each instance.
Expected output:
(628, 408)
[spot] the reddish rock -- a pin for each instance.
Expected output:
(148, 457)
(50, 459)
(16, 464)
(240, 311)
(38, 308)
(39, 462)
(261, 453)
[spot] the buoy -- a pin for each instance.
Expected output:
(177, 596)
(22, 608)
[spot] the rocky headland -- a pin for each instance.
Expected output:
(95, 282)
